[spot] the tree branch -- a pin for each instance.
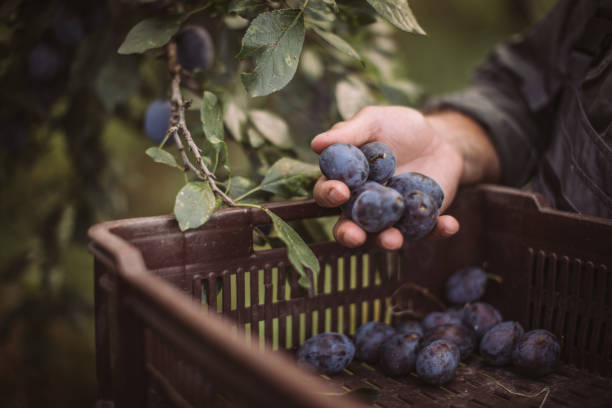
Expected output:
(177, 120)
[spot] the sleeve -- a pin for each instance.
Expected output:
(513, 93)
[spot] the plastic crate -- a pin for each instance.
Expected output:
(160, 295)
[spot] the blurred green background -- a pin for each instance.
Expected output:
(72, 155)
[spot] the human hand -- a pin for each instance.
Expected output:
(419, 147)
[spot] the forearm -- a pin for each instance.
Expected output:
(481, 162)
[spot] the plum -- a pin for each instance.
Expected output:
(437, 319)
(466, 285)
(327, 352)
(463, 337)
(399, 352)
(377, 208)
(368, 339)
(381, 159)
(157, 120)
(194, 48)
(410, 326)
(420, 216)
(537, 353)
(407, 182)
(481, 317)
(437, 362)
(344, 162)
(497, 345)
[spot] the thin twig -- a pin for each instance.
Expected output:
(178, 120)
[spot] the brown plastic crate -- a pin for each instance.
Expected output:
(159, 294)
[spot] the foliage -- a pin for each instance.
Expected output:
(275, 36)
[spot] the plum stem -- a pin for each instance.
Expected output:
(494, 277)
(545, 390)
(179, 128)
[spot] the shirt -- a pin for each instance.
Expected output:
(544, 98)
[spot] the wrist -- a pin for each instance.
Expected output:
(479, 160)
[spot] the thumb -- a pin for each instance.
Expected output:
(357, 131)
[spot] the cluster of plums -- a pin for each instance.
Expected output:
(409, 201)
(434, 346)
(194, 52)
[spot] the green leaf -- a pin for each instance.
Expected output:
(161, 156)
(290, 178)
(272, 127)
(235, 119)
(398, 13)
(194, 205)
(211, 117)
(150, 33)
(351, 96)
(275, 38)
(247, 8)
(339, 43)
(299, 254)
(241, 185)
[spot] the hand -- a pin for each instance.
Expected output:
(418, 146)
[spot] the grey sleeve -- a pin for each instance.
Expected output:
(513, 93)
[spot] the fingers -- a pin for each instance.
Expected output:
(446, 227)
(390, 239)
(360, 129)
(348, 233)
(330, 193)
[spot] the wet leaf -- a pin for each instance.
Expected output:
(211, 117)
(194, 205)
(275, 39)
(150, 33)
(161, 156)
(300, 255)
(398, 13)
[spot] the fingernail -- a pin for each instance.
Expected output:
(334, 195)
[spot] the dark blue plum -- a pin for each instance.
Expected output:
(398, 354)
(537, 353)
(44, 63)
(420, 216)
(347, 207)
(194, 48)
(344, 162)
(377, 209)
(436, 364)
(466, 285)
(68, 28)
(157, 120)
(368, 339)
(497, 345)
(438, 319)
(328, 353)
(409, 326)
(408, 182)
(381, 159)
(457, 312)
(461, 336)
(481, 317)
